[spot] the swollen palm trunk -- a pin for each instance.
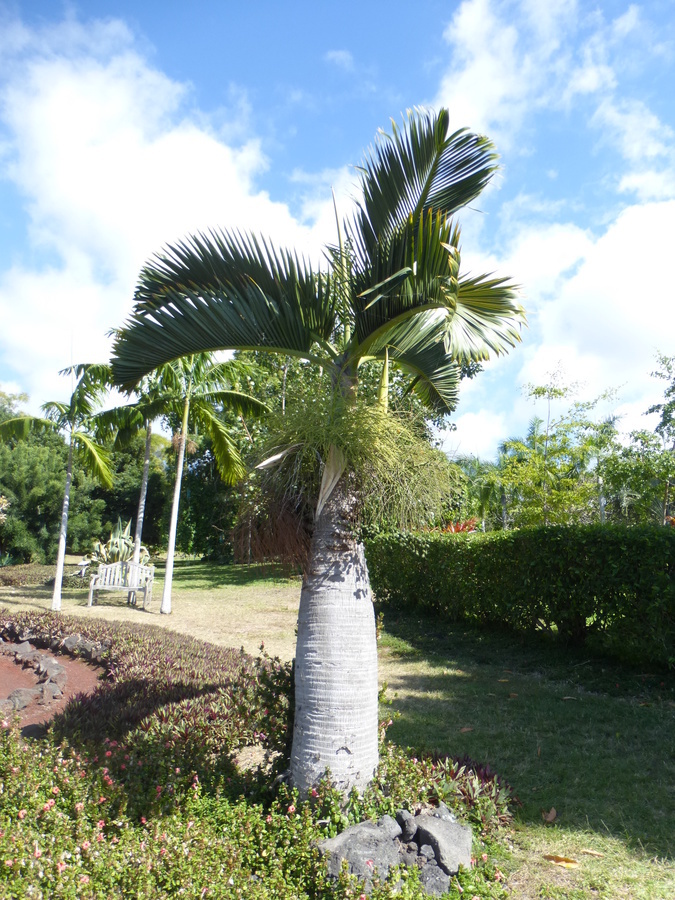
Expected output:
(336, 725)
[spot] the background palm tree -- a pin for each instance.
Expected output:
(392, 291)
(194, 388)
(78, 419)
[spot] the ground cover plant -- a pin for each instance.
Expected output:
(138, 789)
(603, 760)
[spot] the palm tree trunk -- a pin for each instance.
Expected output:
(168, 575)
(141, 500)
(61, 555)
(336, 704)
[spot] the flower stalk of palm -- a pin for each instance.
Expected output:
(392, 291)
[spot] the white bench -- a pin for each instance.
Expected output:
(124, 576)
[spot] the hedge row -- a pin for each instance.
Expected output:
(611, 586)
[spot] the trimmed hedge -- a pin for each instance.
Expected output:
(610, 586)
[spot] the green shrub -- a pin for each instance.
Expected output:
(119, 547)
(608, 586)
(28, 574)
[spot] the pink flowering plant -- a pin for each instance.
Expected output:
(137, 790)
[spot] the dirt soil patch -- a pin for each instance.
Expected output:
(82, 678)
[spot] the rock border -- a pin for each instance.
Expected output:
(434, 841)
(52, 676)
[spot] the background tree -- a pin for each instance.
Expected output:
(128, 464)
(76, 419)
(550, 476)
(638, 479)
(157, 395)
(198, 388)
(482, 493)
(392, 293)
(32, 476)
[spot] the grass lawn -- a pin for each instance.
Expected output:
(233, 606)
(589, 739)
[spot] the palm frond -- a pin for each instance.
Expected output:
(93, 381)
(414, 270)
(96, 459)
(223, 291)
(21, 426)
(417, 346)
(228, 460)
(241, 404)
(417, 168)
(487, 318)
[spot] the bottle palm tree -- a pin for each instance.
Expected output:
(77, 419)
(392, 292)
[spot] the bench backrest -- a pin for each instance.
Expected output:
(124, 574)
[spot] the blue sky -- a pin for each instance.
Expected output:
(125, 125)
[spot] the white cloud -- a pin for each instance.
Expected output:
(112, 164)
(511, 59)
(477, 433)
(638, 133)
(599, 304)
(486, 84)
(649, 184)
(599, 309)
(607, 320)
(343, 59)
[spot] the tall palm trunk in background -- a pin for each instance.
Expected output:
(63, 531)
(168, 575)
(336, 722)
(143, 495)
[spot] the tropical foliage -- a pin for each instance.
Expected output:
(392, 292)
(118, 548)
(77, 419)
(573, 467)
(194, 388)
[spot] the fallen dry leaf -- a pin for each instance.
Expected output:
(593, 853)
(549, 816)
(565, 861)
(512, 696)
(503, 680)
(465, 730)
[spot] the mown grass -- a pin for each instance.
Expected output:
(237, 606)
(590, 738)
(586, 737)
